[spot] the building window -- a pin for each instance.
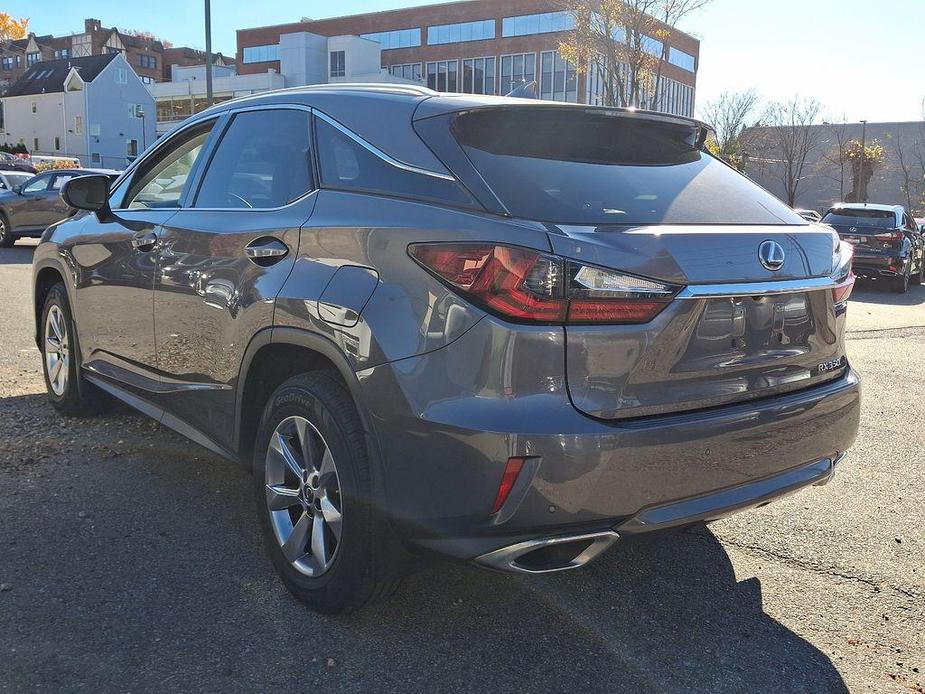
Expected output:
(478, 75)
(147, 61)
(145, 79)
(543, 23)
(652, 46)
(35, 144)
(113, 49)
(131, 149)
(95, 157)
(63, 54)
(18, 61)
(457, 33)
(558, 81)
(442, 75)
(57, 143)
(261, 54)
(121, 76)
(409, 71)
(78, 125)
(33, 58)
(683, 60)
(338, 63)
(401, 38)
(516, 70)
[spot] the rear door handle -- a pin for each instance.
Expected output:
(144, 242)
(266, 250)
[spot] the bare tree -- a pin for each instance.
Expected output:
(624, 42)
(728, 114)
(837, 156)
(793, 139)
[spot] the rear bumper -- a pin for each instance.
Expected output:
(446, 424)
(878, 265)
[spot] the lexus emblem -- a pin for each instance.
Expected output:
(771, 255)
(853, 229)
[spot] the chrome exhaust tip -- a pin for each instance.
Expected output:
(549, 554)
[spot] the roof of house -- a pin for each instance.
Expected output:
(48, 77)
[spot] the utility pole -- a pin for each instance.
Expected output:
(861, 180)
(208, 53)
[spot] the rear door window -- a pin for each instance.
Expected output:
(596, 167)
(348, 165)
(262, 161)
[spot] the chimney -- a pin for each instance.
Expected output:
(92, 25)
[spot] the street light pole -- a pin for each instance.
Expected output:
(144, 136)
(208, 53)
(861, 181)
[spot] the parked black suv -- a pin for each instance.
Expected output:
(887, 243)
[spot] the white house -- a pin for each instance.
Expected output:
(93, 108)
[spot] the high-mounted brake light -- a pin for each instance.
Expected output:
(528, 286)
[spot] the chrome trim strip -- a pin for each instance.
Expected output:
(505, 559)
(378, 152)
(710, 291)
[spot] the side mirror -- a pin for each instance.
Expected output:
(87, 193)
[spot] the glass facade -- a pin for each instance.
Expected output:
(558, 78)
(478, 75)
(442, 75)
(409, 71)
(682, 60)
(543, 23)
(400, 38)
(457, 33)
(261, 54)
(516, 69)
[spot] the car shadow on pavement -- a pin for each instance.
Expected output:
(17, 255)
(133, 562)
(878, 292)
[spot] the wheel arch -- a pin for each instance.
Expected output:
(46, 277)
(276, 354)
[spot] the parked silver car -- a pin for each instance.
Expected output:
(507, 332)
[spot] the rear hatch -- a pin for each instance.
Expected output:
(754, 311)
(870, 231)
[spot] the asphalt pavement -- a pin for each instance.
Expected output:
(130, 561)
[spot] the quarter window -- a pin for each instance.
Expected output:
(348, 165)
(160, 183)
(262, 161)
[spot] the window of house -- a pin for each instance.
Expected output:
(160, 183)
(478, 75)
(57, 143)
(78, 125)
(34, 107)
(145, 79)
(517, 69)
(7, 63)
(338, 63)
(442, 75)
(62, 54)
(558, 79)
(35, 144)
(95, 157)
(131, 149)
(457, 33)
(348, 165)
(262, 161)
(33, 58)
(121, 76)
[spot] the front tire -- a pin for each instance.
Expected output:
(7, 237)
(67, 393)
(314, 485)
(919, 277)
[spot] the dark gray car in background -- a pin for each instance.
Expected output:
(503, 331)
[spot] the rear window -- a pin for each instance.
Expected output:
(570, 166)
(878, 219)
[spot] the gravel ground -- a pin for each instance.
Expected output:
(130, 561)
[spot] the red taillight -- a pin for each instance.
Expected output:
(511, 470)
(525, 285)
(890, 237)
(841, 293)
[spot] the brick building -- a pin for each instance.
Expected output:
(476, 46)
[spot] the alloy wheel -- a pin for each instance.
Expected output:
(303, 496)
(57, 350)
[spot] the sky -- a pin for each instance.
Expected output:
(860, 59)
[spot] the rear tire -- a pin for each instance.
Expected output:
(919, 277)
(67, 391)
(7, 237)
(322, 522)
(901, 284)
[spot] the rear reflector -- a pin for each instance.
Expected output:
(511, 470)
(525, 285)
(841, 293)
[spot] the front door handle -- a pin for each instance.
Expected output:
(266, 250)
(144, 242)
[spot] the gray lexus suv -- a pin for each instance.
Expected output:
(509, 332)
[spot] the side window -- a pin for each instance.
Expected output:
(348, 165)
(59, 180)
(37, 184)
(160, 182)
(262, 161)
